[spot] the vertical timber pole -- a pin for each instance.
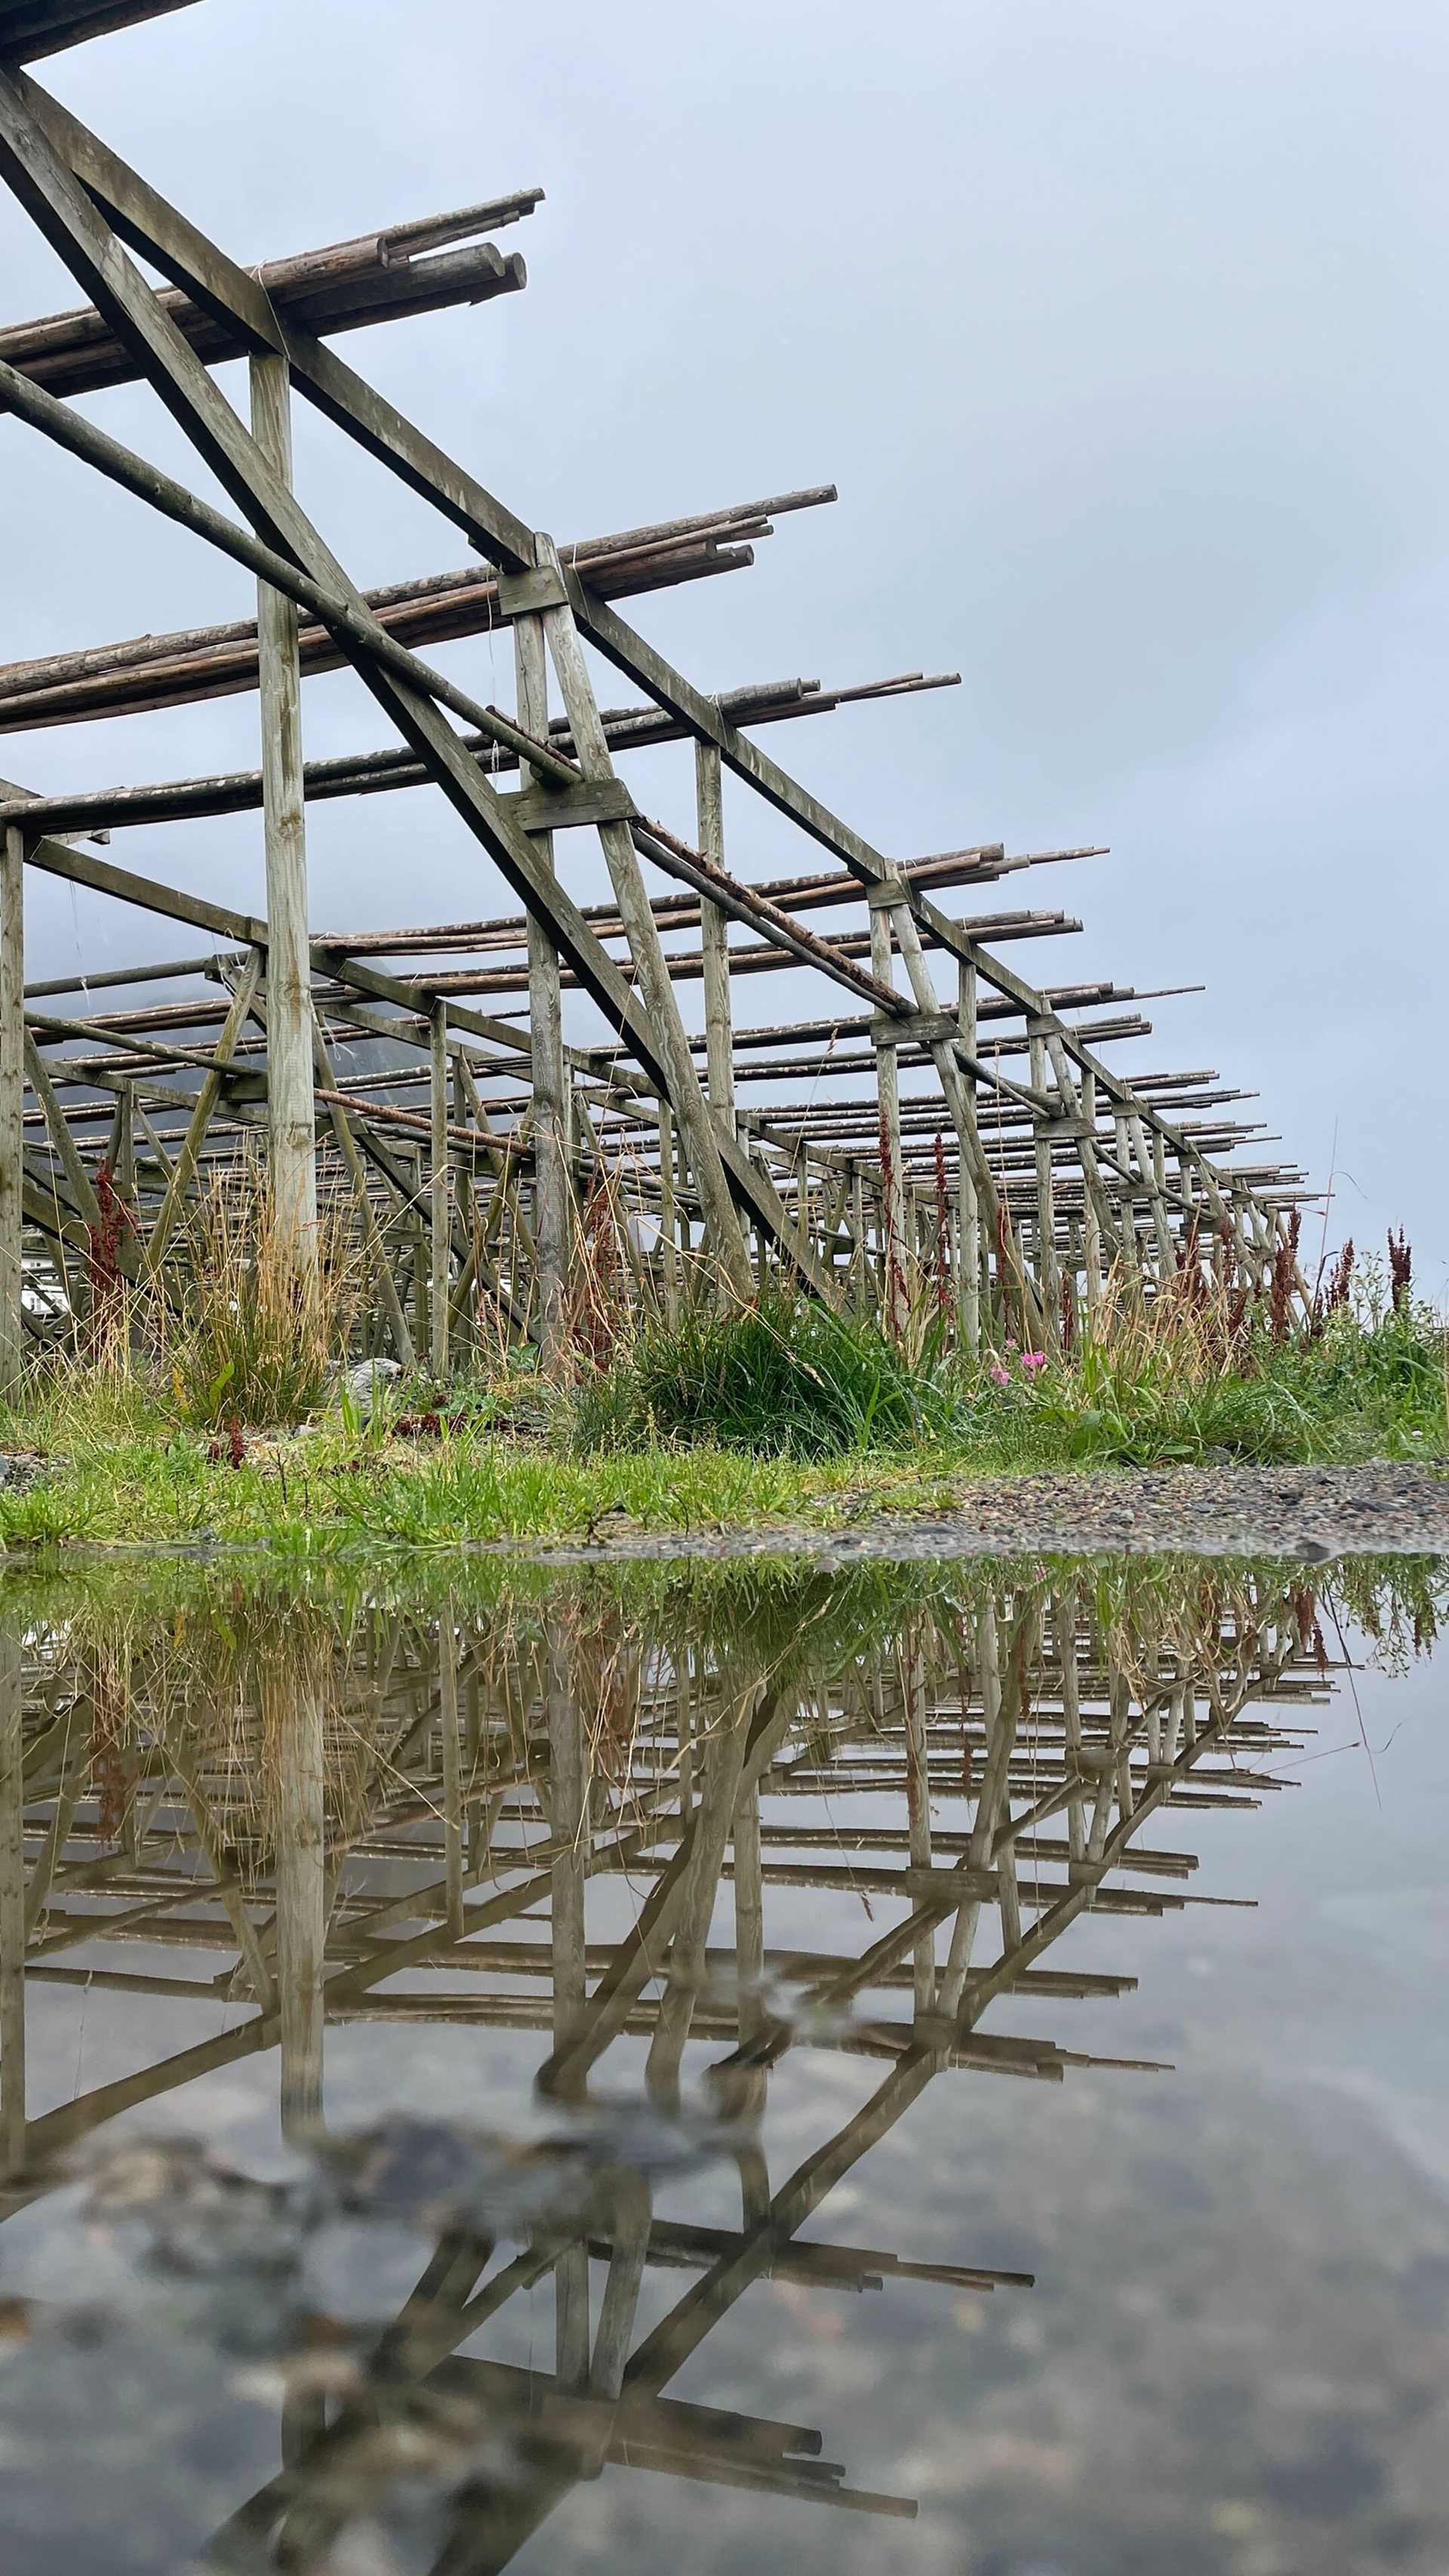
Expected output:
(549, 1077)
(1091, 1218)
(968, 1288)
(888, 1093)
(12, 1104)
(440, 1193)
(301, 1901)
(568, 1818)
(668, 1216)
(714, 934)
(1131, 1232)
(1048, 1279)
(714, 941)
(291, 1127)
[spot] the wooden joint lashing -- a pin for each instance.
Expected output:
(523, 594)
(562, 809)
(920, 1028)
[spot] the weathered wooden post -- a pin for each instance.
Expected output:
(1091, 1216)
(888, 1095)
(668, 1217)
(568, 1780)
(968, 1203)
(440, 1189)
(301, 1866)
(1048, 1277)
(714, 941)
(291, 1117)
(12, 1104)
(552, 1196)
(1153, 1181)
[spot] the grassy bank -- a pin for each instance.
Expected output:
(765, 1415)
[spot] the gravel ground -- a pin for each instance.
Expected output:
(1310, 1513)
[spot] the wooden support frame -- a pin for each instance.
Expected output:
(697, 1162)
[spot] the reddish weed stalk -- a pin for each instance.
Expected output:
(103, 1254)
(1284, 1279)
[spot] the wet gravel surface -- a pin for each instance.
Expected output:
(1311, 1513)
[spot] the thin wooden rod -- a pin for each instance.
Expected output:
(193, 663)
(683, 911)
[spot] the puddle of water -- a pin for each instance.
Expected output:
(918, 2068)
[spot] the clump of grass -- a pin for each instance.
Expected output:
(227, 1333)
(1183, 1375)
(783, 1377)
(249, 1339)
(1194, 1374)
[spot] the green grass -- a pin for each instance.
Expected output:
(121, 1472)
(780, 1378)
(799, 1382)
(762, 1418)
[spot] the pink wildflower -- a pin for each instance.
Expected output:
(1033, 1359)
(998, 1375)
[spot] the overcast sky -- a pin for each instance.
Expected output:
(1120, 326)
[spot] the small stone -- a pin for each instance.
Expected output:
(366, 1382)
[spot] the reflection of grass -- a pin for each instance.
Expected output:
(194, 1669)
(197, 1666)
(757, 1417)
(215, 1624)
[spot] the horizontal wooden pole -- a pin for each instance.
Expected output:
(347, 287)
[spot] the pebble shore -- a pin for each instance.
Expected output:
(1307, 1513)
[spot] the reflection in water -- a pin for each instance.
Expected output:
(679, 1826)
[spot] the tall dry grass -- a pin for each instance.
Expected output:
(230, 1328)
(253, 1336)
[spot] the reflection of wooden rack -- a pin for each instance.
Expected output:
(483, 1167)
(320, 1822)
